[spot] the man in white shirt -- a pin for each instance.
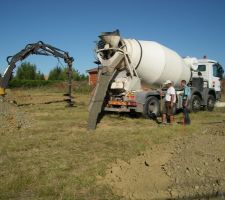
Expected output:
(169, 103)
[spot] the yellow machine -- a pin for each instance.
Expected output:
(2, 91)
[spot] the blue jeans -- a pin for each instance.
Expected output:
(187, 119)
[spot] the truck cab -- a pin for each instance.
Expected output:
(212, 73)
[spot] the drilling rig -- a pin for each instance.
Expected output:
(39, 48)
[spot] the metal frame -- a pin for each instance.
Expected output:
(39, 48)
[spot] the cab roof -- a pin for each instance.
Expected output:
(206, 61)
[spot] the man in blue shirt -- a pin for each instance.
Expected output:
(185, 102)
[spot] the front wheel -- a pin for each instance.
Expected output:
(152, 107)
(195, 104)
(211, 102)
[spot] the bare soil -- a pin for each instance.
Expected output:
(12, 118)
(189, 167)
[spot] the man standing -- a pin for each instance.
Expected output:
(170, 100)
(185, 102)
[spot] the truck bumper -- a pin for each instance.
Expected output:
(138, 108)
(117, 109)
(121, 106)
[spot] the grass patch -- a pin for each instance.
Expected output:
(57, 158)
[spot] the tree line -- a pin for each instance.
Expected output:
(28, 71)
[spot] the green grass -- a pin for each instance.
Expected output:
(81, 87)
(57, 158)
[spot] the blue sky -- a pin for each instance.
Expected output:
(192, 28)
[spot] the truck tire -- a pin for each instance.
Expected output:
(152, 105)
(195, 104)
(211, 102)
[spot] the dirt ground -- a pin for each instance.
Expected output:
(189, 167)
(58, 159)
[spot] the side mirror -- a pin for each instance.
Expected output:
(199, 73)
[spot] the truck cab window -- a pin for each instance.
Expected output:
(201, 68)
(217, 70)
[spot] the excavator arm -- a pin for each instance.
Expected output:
(39, 48)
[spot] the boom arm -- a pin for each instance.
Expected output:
(39, 48)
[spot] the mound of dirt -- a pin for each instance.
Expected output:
(141, 177)
(191, 167)
(11, 117)
(197, 168)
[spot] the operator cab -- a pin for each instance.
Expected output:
(211, 72)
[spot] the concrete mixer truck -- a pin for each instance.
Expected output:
(132, 63)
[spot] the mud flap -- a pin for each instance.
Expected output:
(97, 100)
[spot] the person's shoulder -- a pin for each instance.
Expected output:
(172, 89)
(187, 88)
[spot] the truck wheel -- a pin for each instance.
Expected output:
(211, 102)
(195, 104)
(151, 106)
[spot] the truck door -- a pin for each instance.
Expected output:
(216, 75)
(204, 72)
(203, 69)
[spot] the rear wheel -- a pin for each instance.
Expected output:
(195, 104)
(152, 107)
(211, 102)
